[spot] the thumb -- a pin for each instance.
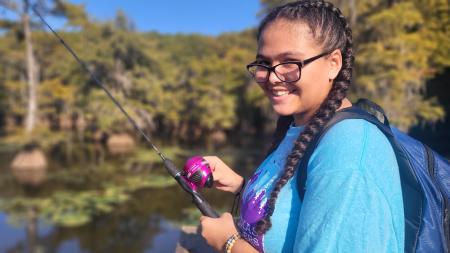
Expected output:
(226, 215)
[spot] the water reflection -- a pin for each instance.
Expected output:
(111, 234)
(149, 221)
(30, 177)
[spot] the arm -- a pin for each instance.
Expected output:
(217, 231)
(243, 246)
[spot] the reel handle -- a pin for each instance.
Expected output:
(204, 207)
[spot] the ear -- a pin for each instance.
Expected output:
(335, 64)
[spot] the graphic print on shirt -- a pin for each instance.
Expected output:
(254, 200)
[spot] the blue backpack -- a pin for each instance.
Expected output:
(424, 175)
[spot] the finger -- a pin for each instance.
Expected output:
(221, 186)
(209, 159)
(219, 183)
(212, 162)
(226, 214)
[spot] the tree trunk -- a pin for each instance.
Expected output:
(352, 8)
(31, 72)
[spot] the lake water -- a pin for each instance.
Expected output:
(153, 234)
(149, 221)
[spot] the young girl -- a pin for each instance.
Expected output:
(353, 199)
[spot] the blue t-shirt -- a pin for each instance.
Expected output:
(353, 201)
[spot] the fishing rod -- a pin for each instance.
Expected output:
(196, 174)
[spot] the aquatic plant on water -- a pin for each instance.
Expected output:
(75, 208)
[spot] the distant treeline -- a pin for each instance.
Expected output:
(190, 88)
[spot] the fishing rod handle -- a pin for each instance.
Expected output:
(204, 206)
(171, 168)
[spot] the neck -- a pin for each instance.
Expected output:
(304, 118)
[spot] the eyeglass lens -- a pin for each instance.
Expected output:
(287, 72)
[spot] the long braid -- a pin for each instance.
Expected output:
(330, 28)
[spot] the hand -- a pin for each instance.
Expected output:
(225, 178)
(216, 231)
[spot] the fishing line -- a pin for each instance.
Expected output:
(84, 66)
(184, 182)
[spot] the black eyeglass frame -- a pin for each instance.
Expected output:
(300, 65)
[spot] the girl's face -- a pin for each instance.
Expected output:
(283, 41)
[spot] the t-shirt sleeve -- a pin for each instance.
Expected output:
(353, 200)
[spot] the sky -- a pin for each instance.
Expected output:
(210, 17)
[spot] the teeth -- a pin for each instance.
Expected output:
(280, 93)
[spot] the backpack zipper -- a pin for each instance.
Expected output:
(445, 204)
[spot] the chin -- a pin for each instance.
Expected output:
(282, 110)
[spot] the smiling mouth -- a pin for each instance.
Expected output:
(280, 93)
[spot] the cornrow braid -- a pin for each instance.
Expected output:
(331, 30)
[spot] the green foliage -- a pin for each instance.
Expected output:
(75, 14)
(393, 64)
(186, 87)
(75, 208)
(145, 72)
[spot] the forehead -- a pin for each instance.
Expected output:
(282, 36)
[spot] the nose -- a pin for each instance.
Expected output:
(273, 78)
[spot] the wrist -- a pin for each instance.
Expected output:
(231, 241)
(240, 187)
(237, 197)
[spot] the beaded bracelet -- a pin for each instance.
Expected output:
(231, 241)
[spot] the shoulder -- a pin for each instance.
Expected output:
(352, 131)
(351, 144)
(352, 187)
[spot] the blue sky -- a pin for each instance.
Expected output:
(200, 16)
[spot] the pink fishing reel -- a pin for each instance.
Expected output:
(198, 173)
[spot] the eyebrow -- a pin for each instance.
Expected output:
(282, 55)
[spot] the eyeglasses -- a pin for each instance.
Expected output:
(288, 72)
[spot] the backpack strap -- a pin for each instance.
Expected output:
(373, 109)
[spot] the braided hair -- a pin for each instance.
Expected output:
(331, 30)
